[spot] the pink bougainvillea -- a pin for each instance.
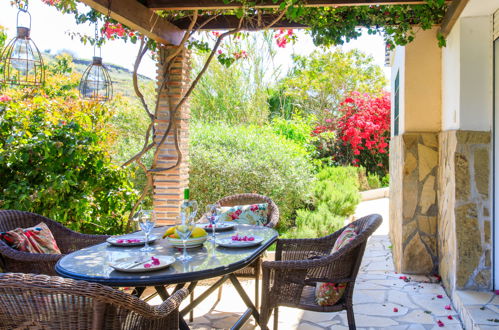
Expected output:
(363, 131)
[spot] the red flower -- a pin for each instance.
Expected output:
(440, 324)
(254, 208)
(5, 98)
(450, 317)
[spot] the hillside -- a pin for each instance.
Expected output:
(121, 76)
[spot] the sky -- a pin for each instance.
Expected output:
(49, 31)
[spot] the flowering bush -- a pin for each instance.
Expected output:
(54, 159)
(364, 130)
(359, 136)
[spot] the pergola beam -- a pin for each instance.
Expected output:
(455, 9)
(224, 22)
(219, 4)
(138, 17)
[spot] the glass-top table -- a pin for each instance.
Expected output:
(92, 264)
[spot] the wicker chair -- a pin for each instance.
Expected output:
(301, 263)
(253, 270)
(37, 263)
(29, 301)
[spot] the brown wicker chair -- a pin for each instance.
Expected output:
(253, 270)
(301, 263)
(37, 263)
(29, 301)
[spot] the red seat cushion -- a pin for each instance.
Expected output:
(37, 239)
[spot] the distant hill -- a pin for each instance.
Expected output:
(121, 76)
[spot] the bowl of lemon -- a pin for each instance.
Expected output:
(198, 237)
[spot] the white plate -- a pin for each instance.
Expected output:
(190, 243)
(218, 227)
(130, 266)
(113, 240)
(228, 242)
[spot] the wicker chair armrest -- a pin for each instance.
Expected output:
(76, 241)
(172, 303)
(14, 254)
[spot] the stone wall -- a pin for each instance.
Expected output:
(464, 210)
(169, 186)
(413, 204)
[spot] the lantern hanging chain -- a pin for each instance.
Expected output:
(96, 36)
(23, 6)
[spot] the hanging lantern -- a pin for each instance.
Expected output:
(21, 62)
(96, 84)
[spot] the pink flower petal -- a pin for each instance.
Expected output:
(120, 241)
(395, 309)
(440, 324)
(447, 307)
(147, 266)
(450, 317)
(440, 296)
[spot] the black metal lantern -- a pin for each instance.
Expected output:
(96, 84)
(21, 62)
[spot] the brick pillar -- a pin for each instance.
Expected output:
(169, 186)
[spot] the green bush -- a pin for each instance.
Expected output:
(373, 181)
(54, 162)
(335, 197)
(226, 160)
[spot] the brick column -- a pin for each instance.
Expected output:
(169, 186)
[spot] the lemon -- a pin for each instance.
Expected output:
(198, 232)
(170, 231)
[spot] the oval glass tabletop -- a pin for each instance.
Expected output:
(209, 260)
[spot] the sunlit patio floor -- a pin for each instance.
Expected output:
(382, 299)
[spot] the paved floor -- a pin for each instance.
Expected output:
(382, 298)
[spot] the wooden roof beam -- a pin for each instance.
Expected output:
(224, 22)
(455, 9)
(140, 18)
(219, 4)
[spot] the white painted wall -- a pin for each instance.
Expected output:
(467, 77)
(451, 81)
(476, 73)
(398, 66)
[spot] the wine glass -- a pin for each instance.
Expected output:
(184, 231)
(146, 220)
(212, 216)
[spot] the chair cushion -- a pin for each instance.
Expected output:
(327, 294)
(254, 214)
(37, 239)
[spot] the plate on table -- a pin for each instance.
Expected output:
(130, 240)
(230, 243)
(222, 226)
(189, 243)
(131, 265)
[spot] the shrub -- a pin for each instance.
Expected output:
(335, 196)
(53, 161)
(363, 131)
(226, 160)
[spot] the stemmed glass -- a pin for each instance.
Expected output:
(184, 231)
(146, 220)
(212, 216)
